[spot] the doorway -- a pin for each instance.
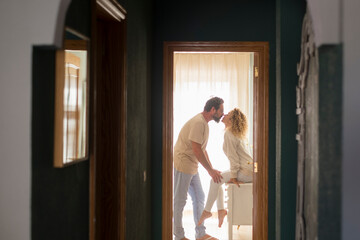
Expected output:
(260, 133)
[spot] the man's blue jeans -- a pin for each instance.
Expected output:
(184, 183)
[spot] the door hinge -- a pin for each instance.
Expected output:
(255, 167)
(256, 72)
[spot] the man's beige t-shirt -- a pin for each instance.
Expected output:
(196, 130)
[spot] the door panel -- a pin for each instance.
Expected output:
(108, 119)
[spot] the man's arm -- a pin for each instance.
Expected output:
(204, 160)
(208, 159)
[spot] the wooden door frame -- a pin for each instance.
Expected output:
(108, 105)
(261, 129)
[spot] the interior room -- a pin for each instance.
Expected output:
(197, 76)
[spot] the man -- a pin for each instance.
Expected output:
(189, 150)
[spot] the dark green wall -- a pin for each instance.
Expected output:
(78, 16)
(290, 15)
(228, 20)
(59, 197)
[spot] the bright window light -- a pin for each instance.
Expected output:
(200, 76)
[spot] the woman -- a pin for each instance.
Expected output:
(240, 163)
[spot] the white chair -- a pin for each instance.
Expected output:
(240, 205)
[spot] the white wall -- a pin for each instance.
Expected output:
(337, 22)
(23, 24)
(326, 16)
(351, 121)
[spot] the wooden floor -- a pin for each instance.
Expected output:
(211, 224)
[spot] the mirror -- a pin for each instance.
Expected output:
(71, 100)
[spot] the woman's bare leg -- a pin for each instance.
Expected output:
(205, 214)
(221, 215)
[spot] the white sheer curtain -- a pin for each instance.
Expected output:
(199, 76)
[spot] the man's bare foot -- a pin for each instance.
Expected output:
(221, 215)
(207, 237)
(205, 214)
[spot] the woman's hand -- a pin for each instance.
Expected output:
(235, 181)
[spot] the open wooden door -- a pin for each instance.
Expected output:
(108, 122)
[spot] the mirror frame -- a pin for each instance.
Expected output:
(81, 43)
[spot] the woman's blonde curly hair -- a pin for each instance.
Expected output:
(239, 124)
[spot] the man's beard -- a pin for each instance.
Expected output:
(216, 119)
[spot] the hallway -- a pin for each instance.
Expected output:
(38, 200)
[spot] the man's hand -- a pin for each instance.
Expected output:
(215, 175)
(203, 159)
(235, 181)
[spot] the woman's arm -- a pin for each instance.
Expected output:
(230, 152)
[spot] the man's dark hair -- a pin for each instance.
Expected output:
(213, 102)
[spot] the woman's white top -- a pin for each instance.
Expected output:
(236, 151)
